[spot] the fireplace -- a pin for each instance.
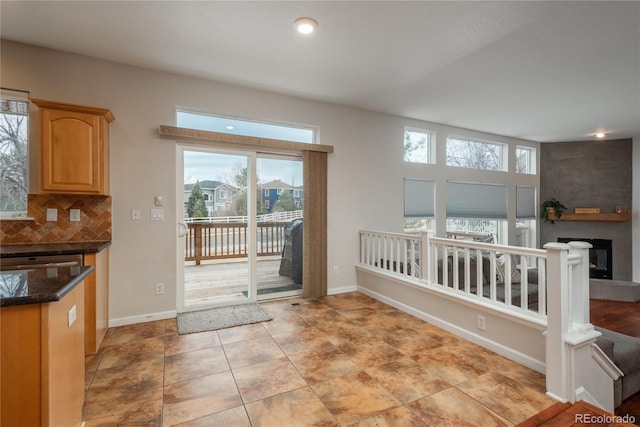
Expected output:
(600, 256)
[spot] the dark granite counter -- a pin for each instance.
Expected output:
(55, 248)
(35, 286)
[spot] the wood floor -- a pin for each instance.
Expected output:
(622, 317)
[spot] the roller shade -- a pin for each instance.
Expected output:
(419, 195)
(525, 202)
(474, 200)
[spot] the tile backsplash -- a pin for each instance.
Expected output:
(94, 224)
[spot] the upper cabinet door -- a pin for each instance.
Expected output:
(73, 148)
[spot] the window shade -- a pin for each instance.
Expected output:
(419, 197)
(525, 202)
(474, 200)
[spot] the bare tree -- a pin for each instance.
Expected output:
(473, 154)
(13, 162)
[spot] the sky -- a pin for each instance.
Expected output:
(200, 166)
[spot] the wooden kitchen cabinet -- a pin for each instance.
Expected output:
(73, 148)
(42, 365)
(96, 298)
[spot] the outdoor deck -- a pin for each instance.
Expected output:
(229, 277)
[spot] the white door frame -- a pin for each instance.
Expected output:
(251, 225)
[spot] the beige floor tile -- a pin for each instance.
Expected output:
(131, 352)
(354, 397)
(199, 363)
(252, 351)
(138, 331)
(407, 380)
(189, 400)
(242, 333)
(234, 417)
(510, 399)
(409, 341)
(371, 352)
(142, 408)
(305, 340)
(452, 407)
(392, 418)
(189, 342)
(323, 364)
(295, 408)
(450, 365)
(267, 379)
(123, 381)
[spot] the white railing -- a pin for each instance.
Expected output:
(423, 257)
(552, 290)
(271, 217)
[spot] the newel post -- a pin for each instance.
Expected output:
(557, 321)
(425, 255)
(579, 288)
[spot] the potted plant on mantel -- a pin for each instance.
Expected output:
(553, 207)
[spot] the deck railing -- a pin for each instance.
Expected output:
(222, 240)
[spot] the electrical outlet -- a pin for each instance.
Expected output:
(159, 288)
(74, 215)
(135, 214)
(482, 323)
(336, 270)
(52, 214)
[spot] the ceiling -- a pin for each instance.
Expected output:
(542, 71)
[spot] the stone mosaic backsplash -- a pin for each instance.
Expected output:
(94, 224)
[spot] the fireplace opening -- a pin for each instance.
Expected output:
(600, 256)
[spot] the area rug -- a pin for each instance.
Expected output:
(220, 318)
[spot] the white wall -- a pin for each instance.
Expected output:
(366, 170)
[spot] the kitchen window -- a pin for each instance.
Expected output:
(14, 158)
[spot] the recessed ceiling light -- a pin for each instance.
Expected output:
(230, 127)
(306, 25)
(600, 135)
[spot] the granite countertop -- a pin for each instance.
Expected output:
(53, 248)
(41, 285)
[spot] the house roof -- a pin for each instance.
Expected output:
(277, 184)
(538, 70)
(208, 185)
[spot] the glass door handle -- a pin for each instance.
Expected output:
(183, 229)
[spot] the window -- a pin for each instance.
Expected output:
(468, 153)
(207, 197)
(14, 160)
(223, 194)
(418, 146)
(266, 192)
(243, 127)
(526, 160)
(477, 230)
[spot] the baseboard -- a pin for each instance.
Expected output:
(342, 290)
(502, 350)
(132, 320)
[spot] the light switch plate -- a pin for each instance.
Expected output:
(74, 215)
(157, 214)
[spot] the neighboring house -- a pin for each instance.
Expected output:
(218, 197)
(270, 194)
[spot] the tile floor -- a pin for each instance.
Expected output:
(342, 360)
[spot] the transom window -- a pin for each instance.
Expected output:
(235, 126)
(418, 146)
(468, 153)
(526, 160)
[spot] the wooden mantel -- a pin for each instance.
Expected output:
(603, 217)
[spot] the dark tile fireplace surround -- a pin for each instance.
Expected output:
(600, 256)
